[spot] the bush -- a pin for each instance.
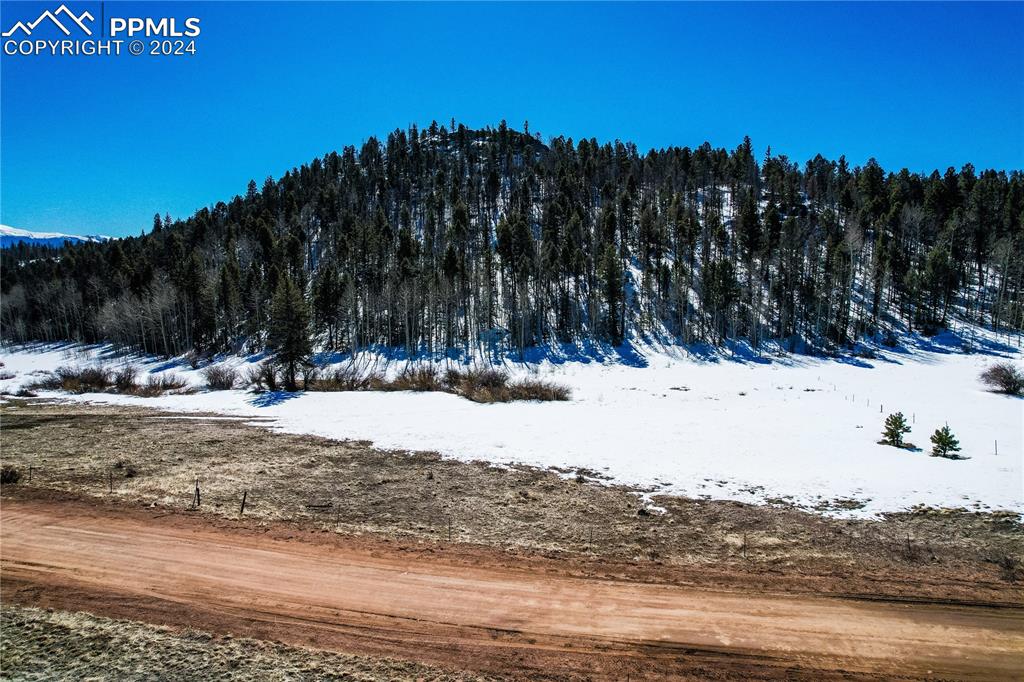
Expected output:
(100, 379)
(95, 378)
(346, 378)
(535, 389)
(262, 377)
(76, 380)
(157, 385)
(220, 378)
(126, 379)
(1003, 378)
(417, 379)
(478, 385)
(9, 475)
(493, 386)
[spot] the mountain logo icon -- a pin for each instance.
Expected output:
(68, 15)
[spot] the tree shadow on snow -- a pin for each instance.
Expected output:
(272, 398)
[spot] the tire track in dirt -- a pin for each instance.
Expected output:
(487, 616)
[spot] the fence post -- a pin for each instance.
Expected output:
(242, 509)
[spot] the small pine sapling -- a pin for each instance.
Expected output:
(944, 443)
(895, 427)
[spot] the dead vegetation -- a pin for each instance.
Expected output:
(352, 488)
(478, 385)
(47, 645)
(1003, 377)
(102, 379)
(220, 377)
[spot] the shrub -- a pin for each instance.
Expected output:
(478, 385)
(1003, 377)
(535, 389)
(126, 378)
(944, 443)
(76, 380)
(487, 379)
(493, 386)
(262, 377)
(895, 427)
(484, 383)
(220, 377)
(9, 475)
(253, 379)
(417, 379)
(95, 378)
(346, 378)
(158, 384)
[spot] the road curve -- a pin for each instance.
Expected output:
(500, 618)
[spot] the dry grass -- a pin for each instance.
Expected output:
(350, 487)
(49, 645)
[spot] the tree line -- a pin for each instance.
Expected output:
(447, 239)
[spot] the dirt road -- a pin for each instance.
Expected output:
(505, 619)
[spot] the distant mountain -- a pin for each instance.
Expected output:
(11, 236)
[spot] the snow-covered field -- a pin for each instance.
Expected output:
(796, 429)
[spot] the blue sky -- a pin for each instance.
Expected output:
(99, 144)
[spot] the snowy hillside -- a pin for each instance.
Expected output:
(790, 430)
(10, 236)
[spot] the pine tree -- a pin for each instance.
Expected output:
(229, 297)
(327, 293)
(895, 427)
(944, 443)
(289, 330)
(611, 270)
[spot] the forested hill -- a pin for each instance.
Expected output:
(447, 237)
